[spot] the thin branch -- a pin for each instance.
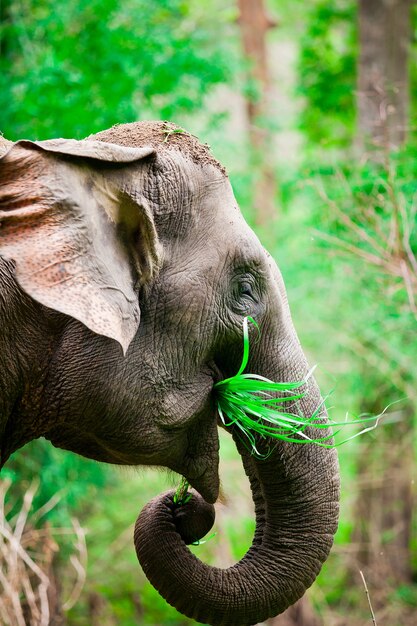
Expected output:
(48, 506)
(351, 248)
(79, 564)
(24, 511)
(14, 598)
(30, 597)
(406, 238)
(368, 598)
(409, 286)
(24, 555)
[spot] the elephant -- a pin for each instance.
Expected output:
(126, 270)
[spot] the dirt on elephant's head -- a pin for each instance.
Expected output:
(160, 136)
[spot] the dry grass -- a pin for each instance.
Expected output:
(29, 592)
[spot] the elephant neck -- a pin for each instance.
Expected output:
(28, 334)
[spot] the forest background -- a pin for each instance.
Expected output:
(312, 108)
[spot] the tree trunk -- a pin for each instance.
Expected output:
(254, 25)
(383, 73)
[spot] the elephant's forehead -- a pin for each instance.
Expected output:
(217, 220)
(220, 232)
(194, 208)
(221, 215)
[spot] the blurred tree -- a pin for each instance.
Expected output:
(354, 70)
(383, 72)
(371, 221)
(254, 24)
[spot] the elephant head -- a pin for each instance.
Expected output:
(126, 271)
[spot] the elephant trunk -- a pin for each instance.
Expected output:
(295, 492)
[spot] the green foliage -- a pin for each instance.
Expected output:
(368, 217)
(70, 69)
(361, 307)
(327, 72)
(407, 594)
(76, 70)
(66, 481)
(355, 320)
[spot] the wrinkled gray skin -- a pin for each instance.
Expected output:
(125, 275)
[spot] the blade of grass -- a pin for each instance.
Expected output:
(245, 402)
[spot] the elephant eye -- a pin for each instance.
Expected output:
(245, 289)
(245, 294)
(248, 291)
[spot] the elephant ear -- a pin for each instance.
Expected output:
(81, 242)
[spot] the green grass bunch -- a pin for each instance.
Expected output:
(254, 405)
